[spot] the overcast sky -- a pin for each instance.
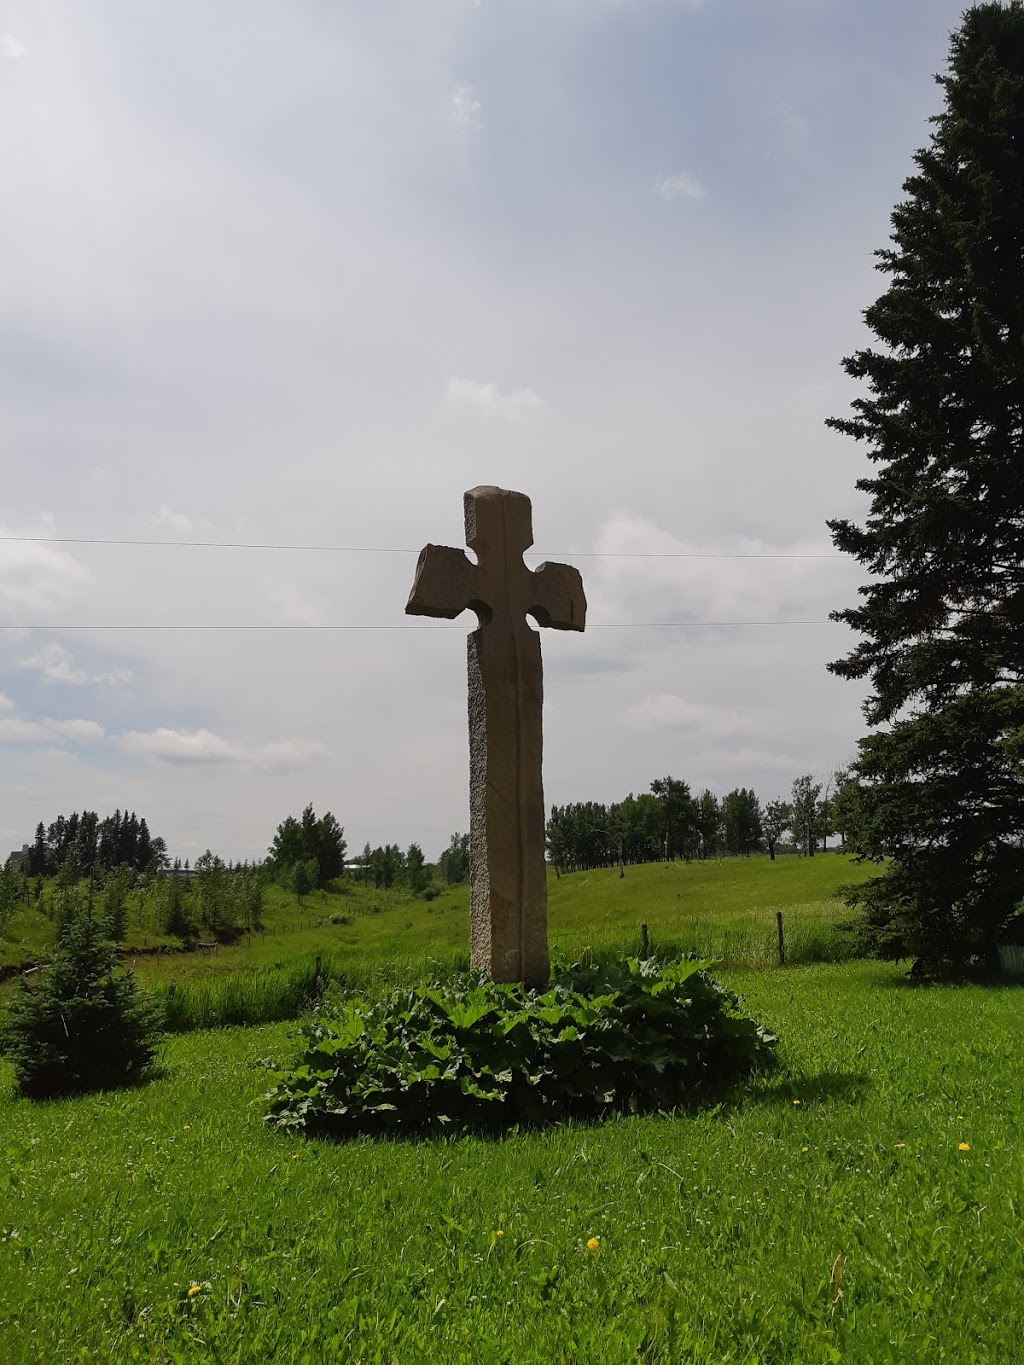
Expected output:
(301, 273)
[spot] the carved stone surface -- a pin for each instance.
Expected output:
(508, 906)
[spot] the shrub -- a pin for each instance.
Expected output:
(472, 1055)
(86, 1026)
(172, 907)
(10, 893)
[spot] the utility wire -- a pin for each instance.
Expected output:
(399, 550)
(594, 625)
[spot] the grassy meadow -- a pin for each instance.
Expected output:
(723, 909)
(862, 1203)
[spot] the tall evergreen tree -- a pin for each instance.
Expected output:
(37, 863)
(940, 781)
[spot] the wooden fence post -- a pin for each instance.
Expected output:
(782, 941)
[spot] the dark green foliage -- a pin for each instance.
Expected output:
(384, 866)
(86, 1026)
(741, 822)
(116, 889)
(663, 823)
(171, 900)
(708, 821)
(303, 878)
(940, 782)
(417, 874)
(453, 864)
(666, 823)
(635, 826)
(99, 845)
(774, 823)
(247, 887)
(680, 817)
(12, 891)
(309, 839)
(804, 813)
(579, 836)
(472, 1055)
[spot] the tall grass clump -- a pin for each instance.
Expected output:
(243, 998)
(290, 990)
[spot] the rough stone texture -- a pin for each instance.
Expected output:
(508, 906)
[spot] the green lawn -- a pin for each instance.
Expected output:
(723, 909)
(827, 1214)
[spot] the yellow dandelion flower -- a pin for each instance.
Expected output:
(796, 1101)
(965, 1147)
(295, 1157)
(499, 1232)
(805, 1149)
(901, 1144)
(593, 1244)
(188, 1127)
(194, 1290)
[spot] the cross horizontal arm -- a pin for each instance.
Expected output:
(557, 597)
(445, 583)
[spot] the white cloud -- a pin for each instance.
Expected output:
(180, 522)
(203, 749)
(35, 577)
(10, 47)
(519, 405)
(18, 728)
(667, 711)
(680, 186)
(55, 663)
(295, 607)
(692, 582)
(464, 106)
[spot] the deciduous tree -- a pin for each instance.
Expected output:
(741, 821)
(803, 812)
(774, 823)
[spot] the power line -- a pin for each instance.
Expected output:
(398, 550)
(594, 625)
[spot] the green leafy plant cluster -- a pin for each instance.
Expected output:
(86, 1025)
(471, 1055)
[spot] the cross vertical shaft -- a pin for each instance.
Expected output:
(508, 936)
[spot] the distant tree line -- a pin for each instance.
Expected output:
(119, 840)
(388, 866)
(669, 822)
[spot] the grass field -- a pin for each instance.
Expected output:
(864, 1204)
(722, 909)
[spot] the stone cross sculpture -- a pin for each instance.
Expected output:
(508, 901)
